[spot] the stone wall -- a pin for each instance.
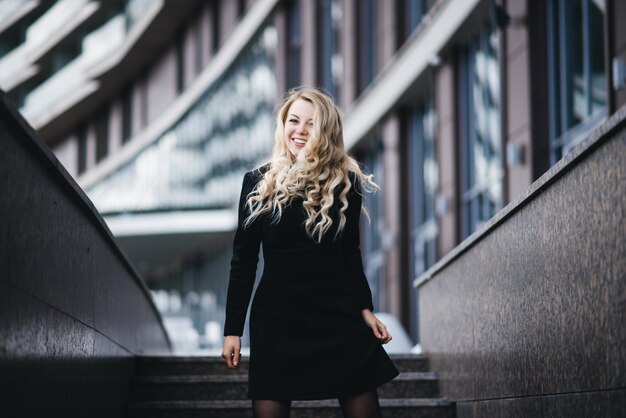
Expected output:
(73, 311)
(526, 316)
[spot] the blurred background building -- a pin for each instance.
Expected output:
(157, 108)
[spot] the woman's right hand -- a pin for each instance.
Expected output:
(231, 352)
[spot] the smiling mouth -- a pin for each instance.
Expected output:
(299, 141)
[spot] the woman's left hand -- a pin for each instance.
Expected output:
(380, 330)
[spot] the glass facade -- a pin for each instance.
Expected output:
(199, 162)
(102, 132)
(82, 147)
(576, 71)
(409, 16)
(329, 60)
(423, 185)
(366, 46)
(72, 61)
(135, 10)
(8, 8)
(193, 300)
(294, 44)
(480, 134)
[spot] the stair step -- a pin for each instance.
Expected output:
(186, 365)
(397, 408)
(411, 385)
(235, 386)
(244, 378)
(410, 362)
(202, 386)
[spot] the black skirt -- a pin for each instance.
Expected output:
(308, 339)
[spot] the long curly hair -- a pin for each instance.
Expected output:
(320, 169)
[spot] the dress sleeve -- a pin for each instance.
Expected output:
(352, 249)
(243, 264)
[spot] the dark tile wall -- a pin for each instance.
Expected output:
(605, 404)
(73, 311)
(51, 362)
(534, 303)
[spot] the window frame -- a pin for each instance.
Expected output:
(473, 214)
(423, 229)
(564, 134)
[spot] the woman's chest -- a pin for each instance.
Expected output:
(292, 225)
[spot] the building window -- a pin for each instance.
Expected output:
(82, 148)
(198, 162)
(215, 23)
(127, 113)
(328, 58)
(12, 37)
(409, 15)
(143, 100)
(366, 48)
(18, 95)
(423, 185)
(102, 133)
(373, 230)
(576, 71)
(481, 171)
(294, 43)
(198, 45)
(179, 46)
(241, 8)
(63, 55)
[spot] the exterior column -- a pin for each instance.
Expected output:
(392, 216)
(348, 47)
(515, 59)
(309, 63)
(387, 32)
(280, 21)
(446, 148)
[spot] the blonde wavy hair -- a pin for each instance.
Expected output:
(320, 170)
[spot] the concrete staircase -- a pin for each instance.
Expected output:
(203, 387)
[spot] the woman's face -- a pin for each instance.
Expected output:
(298, 125)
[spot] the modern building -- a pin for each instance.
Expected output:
(157, 108)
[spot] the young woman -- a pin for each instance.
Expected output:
(312, 331)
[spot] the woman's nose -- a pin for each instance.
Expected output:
(302, 129)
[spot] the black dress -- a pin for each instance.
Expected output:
(308, 339)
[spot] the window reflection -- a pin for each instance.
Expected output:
(481, 149)
(192, 300)
(329, 59)
(423, 184)
(410, 14)
(576, 71)
(200, 161)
